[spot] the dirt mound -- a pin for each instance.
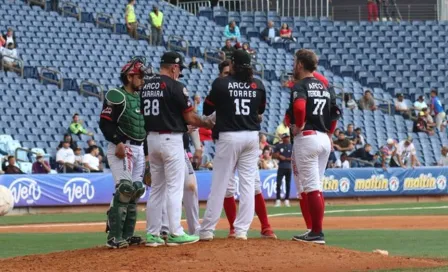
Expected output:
(218, 255)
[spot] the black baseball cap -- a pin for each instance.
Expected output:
(285, 135)
(172, 57)
(242, 58)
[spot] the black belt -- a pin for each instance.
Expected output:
(131, 142)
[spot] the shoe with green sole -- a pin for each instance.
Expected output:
(153, 241)
(181, 240)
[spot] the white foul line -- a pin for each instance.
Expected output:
(37, 226)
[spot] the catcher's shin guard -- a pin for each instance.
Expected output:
(131, 216)
(117, 212)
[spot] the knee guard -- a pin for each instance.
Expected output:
(118, 209)
(139, 190)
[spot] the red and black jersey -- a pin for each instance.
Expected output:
(312, 103)
(237, 104)
(163, 103)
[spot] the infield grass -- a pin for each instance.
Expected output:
(439, 208)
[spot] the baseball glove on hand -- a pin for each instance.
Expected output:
(147, 176)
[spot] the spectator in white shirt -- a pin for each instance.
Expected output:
(9, 55)
(420, 104)
(270, 34)
(9, 37)
(343, 162)
(405, 154)
(65, 156)
(91, 160)
(401, 106)
(444, 158)
(359, 140)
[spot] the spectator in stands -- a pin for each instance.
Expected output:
(198, 104)
(267, 162)
(41, 166)
(66, 156)
(54, 5)
(350, 102)
(422, 125)
(9, 37)
(156, 20)
(263, 141)
(336, 134)
(91, 160)
(443, 161)
(131, 19)
(405, 154)
(232, 31)
(9, 55)
(283, 152)
(367, 102)
(281, 129)
(76, 126)
(372, 11)
(419, 105)
(68, 138)
(11, 168)
(401, 107)
(331, 160)
(359, 140)
(437, 109)
(228, 49)
(78, 156)
(390, 10)
(224, 68)
(194, 64)
(362, 153)
(270, 34)
(343, 144)
(350, 132)
(343, 161)
(286, 33)
(385, 154)
(250, 51)
(101, 156)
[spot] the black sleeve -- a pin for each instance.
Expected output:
(262, 106)
(298, 91)
(211, 99)
(180, 95)
(108, 122)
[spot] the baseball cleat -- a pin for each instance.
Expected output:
(231, 234)
(278, 203)
(181, 240)
(116, 244)
(153, 241)
(268, 233)
(134, 240)
(311, 237)
(206, 236)
(241, 237)
(287, 204)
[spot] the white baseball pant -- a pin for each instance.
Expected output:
(190, 201)
(167, 159)
(231, 189)
(234, 150)
(132, 167)
(440, 117)
(311, 154)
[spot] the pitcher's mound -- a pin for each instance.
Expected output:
(218, 255)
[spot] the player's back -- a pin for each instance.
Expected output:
(319, 101)
(163, 102)
(237, 104)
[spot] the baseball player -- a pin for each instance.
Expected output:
(167, 110)
(302, 196)
(229, 200)
(123, 126)
(314, 117)
(239, 100)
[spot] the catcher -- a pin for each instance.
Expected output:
(122, 125)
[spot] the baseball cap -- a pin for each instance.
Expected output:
(39, 155)
(172, 57)
(285, 135)
(390, 141)
(242, 58)
(409, 139)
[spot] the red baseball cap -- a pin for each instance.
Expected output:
(136, 69)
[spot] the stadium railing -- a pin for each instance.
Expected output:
(214, 55)
(405, 12)
(258, 69)
(71, 9)
(175, 42)
(87, 87)
(71, 165)
(17, 68)
(193, 6)
(105, 20)
(42, 3)
(56, 77)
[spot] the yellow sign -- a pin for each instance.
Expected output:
(423, 182)
(375, 183)
(330, 184)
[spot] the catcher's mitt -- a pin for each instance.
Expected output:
(147, 176)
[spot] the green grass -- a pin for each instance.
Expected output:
(99, 217)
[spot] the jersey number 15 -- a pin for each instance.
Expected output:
(242, 106)
(151, 108)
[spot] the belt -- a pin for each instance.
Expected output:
(131, 142)
(308, 132)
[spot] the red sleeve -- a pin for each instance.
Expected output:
(287, 119)
(333, 126)
(300, 112)
(290, 84)
(321, 78)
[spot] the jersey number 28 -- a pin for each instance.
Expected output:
(151, 108)
(320, 104)
(242, 106)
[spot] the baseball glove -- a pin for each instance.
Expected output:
(147, 176)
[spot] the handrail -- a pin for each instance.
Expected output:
(111, 23)
(99, 87)
(28, 151)
(176, 47)
(254, 64)
(59, 82)
(75, 165)
(220, 53)
(42, 3)
(193, 6)
(389, 106)
(6, 66)
(71, 5)
(340, 87)
(361, 161)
